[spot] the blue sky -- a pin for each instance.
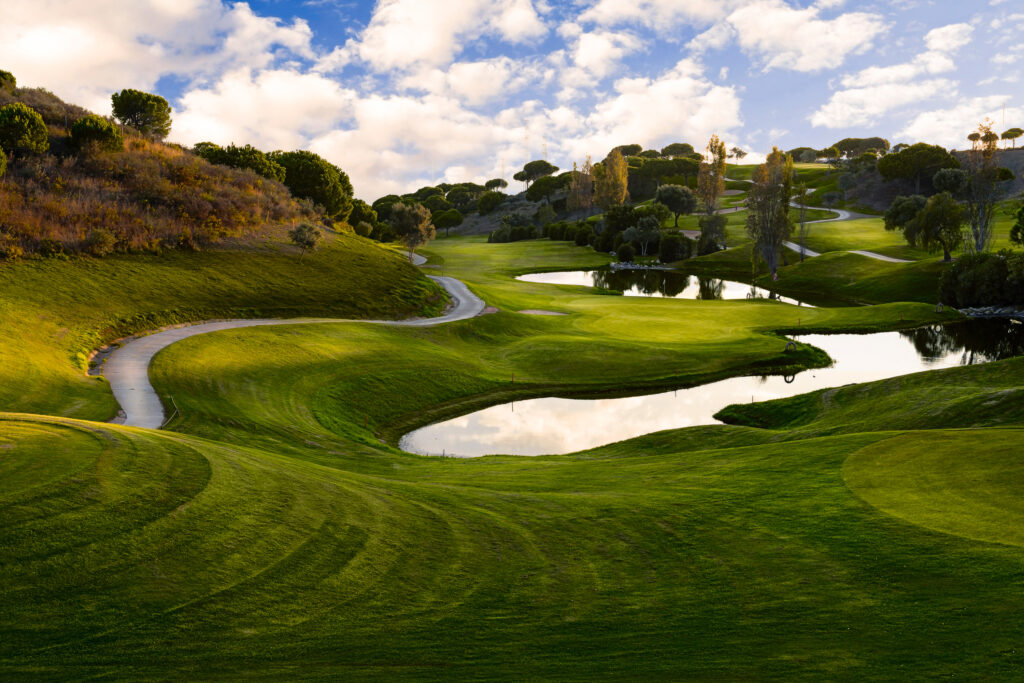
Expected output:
(403, 93)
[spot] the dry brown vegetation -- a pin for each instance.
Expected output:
(147, 197)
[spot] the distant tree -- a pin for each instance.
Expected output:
(646, 233)
(983, 177)
(768, 222)
(426, 192)
(363, 229)
(854, 147)
(650, 154)
(678, 199)
(312, 177)
(797, 152)
(247, 157)
(629, 150)
(305, 237)
(7, 81)
(712, 233)
(1012, 134)
(496, 184)
(939, 225)
(383, 206)
(362, 213)
(543, 187)
(22, 129)
(1016, 232)
(808, 156)
(534, 170)
(951, 180)
(657, 169)
(902, 211)
(412, 225)
(677, 149)
(626, 252)
(830, 199)
(916, 162)
(611, 185)
(832, 155)
(581, 187)
(147, 113)
(490, 201)
(711, 177)
(96, 131)
(446, 220)
(804, 231)
(736, 153)
(436, 203)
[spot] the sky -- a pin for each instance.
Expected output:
(406, 93)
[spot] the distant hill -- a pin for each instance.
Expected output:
(150, 196)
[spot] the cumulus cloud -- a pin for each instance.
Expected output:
(871, 92)
(950, 127)
(86, 51)
(799, 39)
(657, 14)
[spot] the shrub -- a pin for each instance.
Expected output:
(489, 202)
(51, 248)
(626, 253)
(674, 248)
(569, 234)
(584, 236)
(984, 279)
(363, 229)
(8, 81)
(512, 233)
(3, 162)
(95, 130)
(100, 242)
(241, 157)
(312, 177)
(605, 242)
(10, 250)
(22, 129)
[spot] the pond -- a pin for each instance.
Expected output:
(669, 284)
(560, 425)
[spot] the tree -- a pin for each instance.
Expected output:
(656, 169)
(854, 147)
(768, 222)
(711, 177)
(951, 180)
(903, 210)
(612, 183)
(247, 157)
(646, 232)
(496, 183)
(712, 233)
(1012, 134)
(808, 156)
(534, 170)
(446, 220)
(543, 188)
(832, 155)
(96, 131)
(490, 201)
(939, 225)
(1016, 232)
(312, 177)
(305, 237)
(628, 150)
(801, 200)
(737, 153)
(677, 199)
(412, 225)
(677, 149)
(383, 206)
(22, 129)
(581, 187)
(7, 81)
(674, 248)
(650, 154)
(980, 194)
(147, 113)
(361, 213)
(915, 162)
(626, 252)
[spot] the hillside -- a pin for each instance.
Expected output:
(146, 197)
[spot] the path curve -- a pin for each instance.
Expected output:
(127, 368)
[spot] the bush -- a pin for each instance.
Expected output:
(984, 280)
(10, 250)
(241, 157)
(674, 248)
(626, 253)
(512, 233)
(569, 235)
(100, 242)
(22, 129)
(584, 236)
(490, 201)
(8, 81)
(95, 130)
(605, 242)
(363, 229)
(51, 248)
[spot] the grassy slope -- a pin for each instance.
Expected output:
(296, 546)
(52, 313)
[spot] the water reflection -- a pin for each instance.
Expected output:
(669, 284)
(559, 425)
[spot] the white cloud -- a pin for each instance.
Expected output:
(599, 52)
(871, 92)
(86, 51)
(658, 14)
(405, 33)
(798, 39)
(715, 38)
(949, 127)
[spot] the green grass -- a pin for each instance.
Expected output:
(53, 312)
(272, 535)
